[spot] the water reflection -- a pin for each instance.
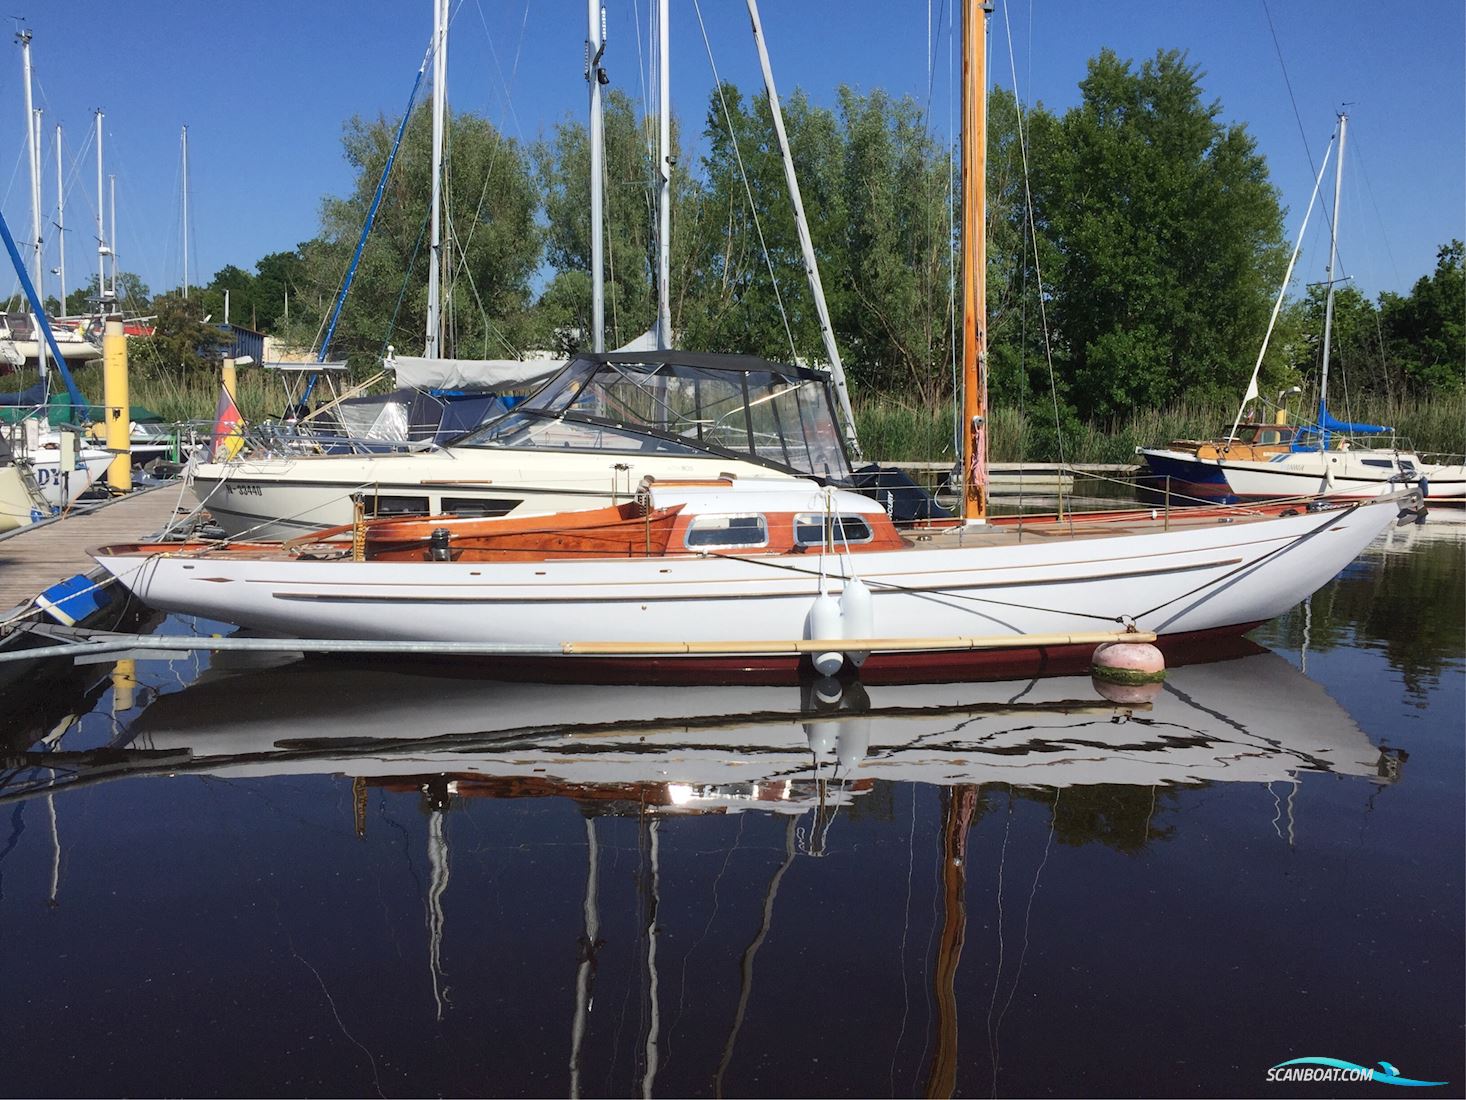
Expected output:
(724, 749)
(1404, 596)
(820, 760)
(399, 881)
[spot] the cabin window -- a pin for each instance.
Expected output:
(485, 507)
(809, 529)
(397, 506)
(709, 532)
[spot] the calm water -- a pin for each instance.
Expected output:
(329, 879)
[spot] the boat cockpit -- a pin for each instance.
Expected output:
(681, 403)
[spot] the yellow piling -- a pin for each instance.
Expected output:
(117, 407)
(228, 374)
(124, 684)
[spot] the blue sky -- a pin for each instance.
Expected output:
(265, 86)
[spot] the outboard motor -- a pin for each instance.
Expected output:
(904, 500)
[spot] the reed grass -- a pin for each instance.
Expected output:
(188, 397)
(895, 431)
(891, 431)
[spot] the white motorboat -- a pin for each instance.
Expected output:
(584, 440)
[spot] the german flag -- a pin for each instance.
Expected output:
(228, 427)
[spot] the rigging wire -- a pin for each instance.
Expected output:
(500, 139)
(747, 189)
(1283, 65)
(649, 74)
(1033, 233)
(507, 87)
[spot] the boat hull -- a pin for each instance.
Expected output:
(1186, 475)
(1346, 475)
(278, 498)
(59, 488)
(1213, 577)
(1350, 475)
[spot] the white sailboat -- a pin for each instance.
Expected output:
(61, 467)
(752, 579)
(1259, 461)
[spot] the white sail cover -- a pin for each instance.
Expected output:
(454, 374)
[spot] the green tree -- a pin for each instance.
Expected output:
(896, 259)
(1357, 364)
(491, 248)
(1426, 331)
(736, 303)
(181, 339)
(240, 285)
(874, 187)
(563, 173)
(1168, 238)
(132, 294)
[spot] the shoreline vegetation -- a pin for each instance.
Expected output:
(892, 431)
(1159, 234)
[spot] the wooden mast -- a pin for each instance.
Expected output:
(961, 804)
(974, 259)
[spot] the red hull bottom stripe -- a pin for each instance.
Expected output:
(942, 666)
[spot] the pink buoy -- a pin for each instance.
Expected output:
(1128, 695)
(1128, 663)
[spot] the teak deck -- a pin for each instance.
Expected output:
(34, 558)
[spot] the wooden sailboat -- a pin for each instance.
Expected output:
(728, 601)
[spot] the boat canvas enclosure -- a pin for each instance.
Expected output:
(681, 402)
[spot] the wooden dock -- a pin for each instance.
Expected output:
(34, 558)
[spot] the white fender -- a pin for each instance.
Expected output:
(824, 625)
(821, 736)
(858, 616)
(853, 741)
(828, 691)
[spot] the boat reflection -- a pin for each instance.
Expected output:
(1253, 718)
(816, 760)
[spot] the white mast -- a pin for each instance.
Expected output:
(1328, 311)
(806, 245)
(61, 221)
(102, 249)
(184, 140)
(432, 346)
(112, 190)
(664, 181)
(595, 46)
(33, 145)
